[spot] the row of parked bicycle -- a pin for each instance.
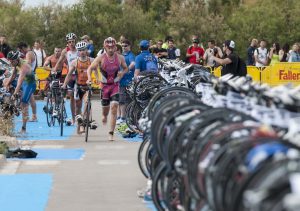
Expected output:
(217, 143)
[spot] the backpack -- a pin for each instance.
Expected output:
(241, 67)
(268, 60)
(20, 153)
(151, 64)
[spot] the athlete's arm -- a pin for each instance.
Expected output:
(69, 75)
(60, 62)
(124, 66)
(12, 77)
(47, 61)
(92, 67)
(29, 57)
(24, 70)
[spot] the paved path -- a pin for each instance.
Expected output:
(105, 178)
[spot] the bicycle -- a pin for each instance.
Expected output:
(62, 114)
(87, 122)
(53, 101)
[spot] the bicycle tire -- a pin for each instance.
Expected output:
(88, 119)
(142, 157)
(157, 185)
(61, 117)
(49, 106)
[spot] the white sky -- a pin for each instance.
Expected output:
(32, 3)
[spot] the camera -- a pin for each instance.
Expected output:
(215, 50)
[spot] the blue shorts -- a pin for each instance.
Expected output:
(14, 83)
(28, 90)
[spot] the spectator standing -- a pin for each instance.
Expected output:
(261, 55)
(160, 52)
(195, 52)
(145, 61)
(231, 61)
(39, 52)
(173, 52)
(274, 53)
(121, 39)
(52, 60)
(124, 99)
(250, 52)
(294, 55)
(4, 47)
(284, 53)
(165, 45)
(90, 45)
(212, 50)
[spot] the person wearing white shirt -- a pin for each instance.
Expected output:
(261, 55)
(39, 52)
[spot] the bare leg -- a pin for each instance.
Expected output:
(72, 105)
(33, 107)
(105, 112)
(78, 111)
(122, 109)
(119, 112)
(25, 117)
(113, 118)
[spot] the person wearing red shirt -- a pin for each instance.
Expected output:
(1, 55)
(195, 52)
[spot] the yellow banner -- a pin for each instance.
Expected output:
(281, 73)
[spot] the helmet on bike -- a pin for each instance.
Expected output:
(81, 45)
(109, 42)
(71, 36)
(13, 55)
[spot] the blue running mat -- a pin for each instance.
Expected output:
(39, 131)
(24, 191)
(55, 154)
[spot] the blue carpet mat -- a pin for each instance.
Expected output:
(24, 192)
(56, 154)
(39, 131)
(151, 206)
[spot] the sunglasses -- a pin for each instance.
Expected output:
(71, 41)
(124, 46)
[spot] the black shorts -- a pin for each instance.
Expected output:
(80, 91)
(124, 96)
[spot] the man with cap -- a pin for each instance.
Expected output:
(195, 52)
(231, 60)
(90, 46)
(145, 61)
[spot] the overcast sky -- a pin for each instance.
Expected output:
(32, 3)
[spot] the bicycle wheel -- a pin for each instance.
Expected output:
(49, 110)
(88, 118)
(62, 117)
(142, 158)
